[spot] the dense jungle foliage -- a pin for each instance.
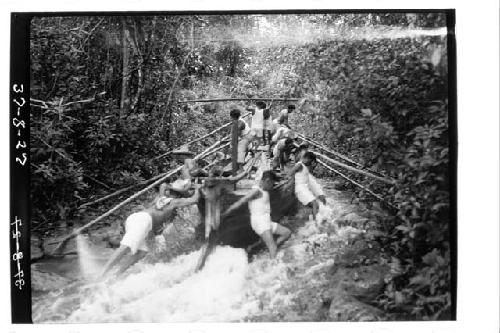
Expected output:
(104, 103)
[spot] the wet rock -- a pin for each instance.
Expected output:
(44, 281)
(51, 243)
(317, 309)
(36, 248)
(346, 308)
(112, 240)
(364, 283)
(351, 289)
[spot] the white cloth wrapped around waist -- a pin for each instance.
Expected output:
(137, 228)
(315, 187)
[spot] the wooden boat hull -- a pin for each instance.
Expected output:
(235, 229)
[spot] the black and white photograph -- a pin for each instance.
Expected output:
(242, 167)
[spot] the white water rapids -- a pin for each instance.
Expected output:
(228, 289)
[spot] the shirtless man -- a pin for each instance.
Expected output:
(147, 223)
(260, 213)
(281, 152)
(282, 118)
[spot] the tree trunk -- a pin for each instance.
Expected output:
(191, 37)
(134, 42)
(125, 68)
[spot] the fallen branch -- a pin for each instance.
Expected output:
(236, 99)
(45, 105)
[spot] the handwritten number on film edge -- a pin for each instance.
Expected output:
(19, 123)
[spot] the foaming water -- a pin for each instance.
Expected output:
(228, 289)
(171, 292)
(89, 266)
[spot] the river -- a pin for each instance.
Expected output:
(230, 288)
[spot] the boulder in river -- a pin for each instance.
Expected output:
(347, 308)
(364, 283)
(36, 248)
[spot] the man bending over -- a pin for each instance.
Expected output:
(260, 213)
(147, 223)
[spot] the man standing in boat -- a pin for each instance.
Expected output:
(282, 118)
(260, 213)
(143, 225)
(245, 135)
(261, 122)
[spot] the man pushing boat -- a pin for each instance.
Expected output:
(260, 213)
(143, 225)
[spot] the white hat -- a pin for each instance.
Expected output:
(181, 185)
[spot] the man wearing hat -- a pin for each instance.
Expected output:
(149, 222)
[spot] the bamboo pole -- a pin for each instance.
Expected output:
(78, 231)
(350, 168)
(218, 148)
(356, 183)
(322, 147)
(123, 190)
(198, 139)
(144, 182)
(234, 147)
(236, 99)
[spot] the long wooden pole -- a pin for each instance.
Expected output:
(330, 151)
(356, 183)
(197, 139)
(234, 147)
(114, 194)
(322, 147)
(236, 99)
(121, 204)
(350, 168)
(123, 190)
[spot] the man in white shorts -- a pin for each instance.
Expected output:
(261, 123)
(260, 213)
(307, 188)
(151, 221)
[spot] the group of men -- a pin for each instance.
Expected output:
(271, 135)
(275, 136)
